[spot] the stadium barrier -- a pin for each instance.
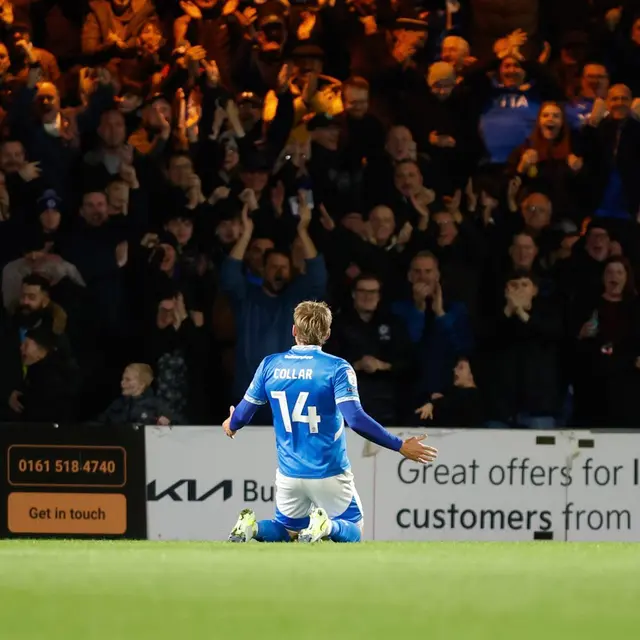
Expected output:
(189, 483)
(486, 485)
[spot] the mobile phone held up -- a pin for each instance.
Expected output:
(294, 205)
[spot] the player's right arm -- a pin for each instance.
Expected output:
(348, 401)
(254, 398)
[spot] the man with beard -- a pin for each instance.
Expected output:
(35, 260)
(263, 312)
(35, 309)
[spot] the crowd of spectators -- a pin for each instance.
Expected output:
(459, 179)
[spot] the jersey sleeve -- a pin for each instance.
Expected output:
(257, 393)
(345, 384)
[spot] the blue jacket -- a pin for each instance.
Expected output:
(264, 322)
(441, 342)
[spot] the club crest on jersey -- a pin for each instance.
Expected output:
(352, 378)
(384, 332)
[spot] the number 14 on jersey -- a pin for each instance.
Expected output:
(312, 418)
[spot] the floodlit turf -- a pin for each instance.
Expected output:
(53, 590)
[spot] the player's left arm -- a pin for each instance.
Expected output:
(364, 425)
(345, 389)
(348, 401)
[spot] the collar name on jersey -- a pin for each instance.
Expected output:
(293, 374)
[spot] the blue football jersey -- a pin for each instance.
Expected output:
(305, 386)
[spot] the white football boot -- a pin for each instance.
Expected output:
(246, 528)
(318, 529)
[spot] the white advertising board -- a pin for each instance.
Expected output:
(198, 480)
(486, 484)
(603, 501)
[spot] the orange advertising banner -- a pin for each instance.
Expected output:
(67, 513)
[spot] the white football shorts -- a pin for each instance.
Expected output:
(297, 497)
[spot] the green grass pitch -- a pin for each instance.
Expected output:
(55, 590)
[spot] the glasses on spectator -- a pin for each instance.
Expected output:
(368, 292)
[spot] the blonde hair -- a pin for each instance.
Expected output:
(312, 321)
(144, 371)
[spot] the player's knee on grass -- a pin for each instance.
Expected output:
(272, 531)
(345, 531)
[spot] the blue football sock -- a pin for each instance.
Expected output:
(343, 531)
(271, 531)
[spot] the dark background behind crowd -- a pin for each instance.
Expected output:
(459, 179)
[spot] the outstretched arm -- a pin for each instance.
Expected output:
(255, 397)
(239, 417)
(364, 425)
(345, 387)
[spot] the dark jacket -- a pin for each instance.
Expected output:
(49, 389)
(57, 155)
(383, 337)
(523, 368)
(11, 337)
(605, 376)
(143, 409)
(459, 407)
(444, 340)
(614, 145)
(180, 360)
(93, 251)
(564, 187)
